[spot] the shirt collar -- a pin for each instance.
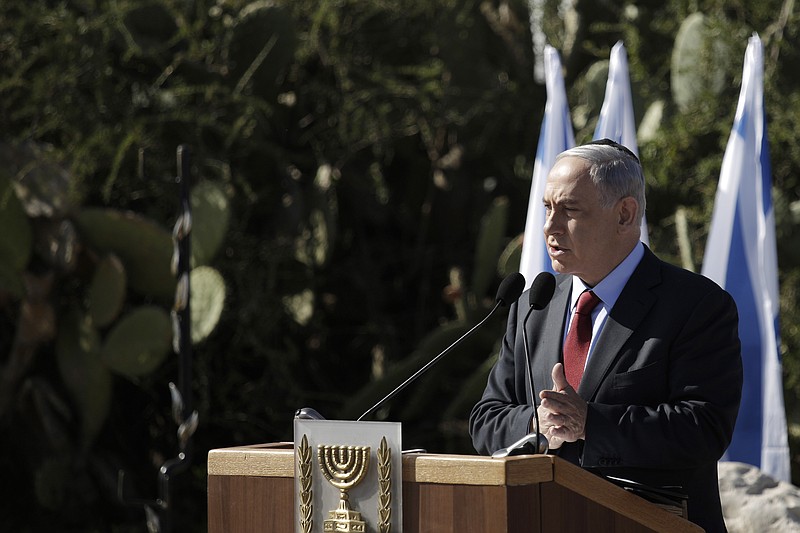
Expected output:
(610, 287)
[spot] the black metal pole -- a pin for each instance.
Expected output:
(184, 269)
(159, 511)
(183, 413)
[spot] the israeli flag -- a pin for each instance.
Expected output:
(741, 257)
(555, 136)
(616, 120)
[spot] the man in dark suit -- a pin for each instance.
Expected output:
(656, 397)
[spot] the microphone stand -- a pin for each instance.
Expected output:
(509, 291)
(430, 363)
(540, 294)
(529, 377)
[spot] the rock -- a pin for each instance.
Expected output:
(754, 502)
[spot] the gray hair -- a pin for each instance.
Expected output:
(614, 170)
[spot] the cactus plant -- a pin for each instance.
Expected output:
(210, 218)
(149, 28)
(207, 301)
(698, 64)
(16, 239)
(139, 342)
(87, 379)
(489, 245)
(511, 257)
(118, 251)
(143, 247)
(106, 293)
(261, 43)
(596, 78)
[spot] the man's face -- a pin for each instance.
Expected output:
(582, 237)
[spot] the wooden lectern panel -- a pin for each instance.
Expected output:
(251, 490)
(436, 508)
(580, 502)
(247, 503)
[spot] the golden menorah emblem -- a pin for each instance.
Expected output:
(344, 467)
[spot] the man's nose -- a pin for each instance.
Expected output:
(551, 225)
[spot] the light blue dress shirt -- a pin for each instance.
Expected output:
(608, 290)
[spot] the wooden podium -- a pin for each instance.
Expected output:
(251, 489)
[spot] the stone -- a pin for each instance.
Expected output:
(754, 502)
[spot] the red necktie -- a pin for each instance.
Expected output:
(576, 346)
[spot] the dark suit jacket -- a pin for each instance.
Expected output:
(663, 383)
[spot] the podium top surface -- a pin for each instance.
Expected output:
(277, 460)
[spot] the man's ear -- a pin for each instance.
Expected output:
(626, 211)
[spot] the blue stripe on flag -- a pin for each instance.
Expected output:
(766, 169)
(746, 443)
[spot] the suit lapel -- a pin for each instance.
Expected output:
(546, 349)
(630, 309)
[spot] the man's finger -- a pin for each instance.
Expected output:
(559, 378)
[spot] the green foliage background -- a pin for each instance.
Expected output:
(375, 160)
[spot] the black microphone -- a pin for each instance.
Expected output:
(540, 294)
(509, 291)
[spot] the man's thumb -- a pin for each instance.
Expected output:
(559, 378)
